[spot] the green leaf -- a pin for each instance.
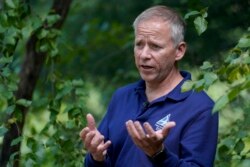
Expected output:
(51, 19)
(188, 85)
(65, 91)
(240, 145)
(199, 85)
(220, 103)
(244, 43)
(70, 124)
(10, 109)
(4, 60)
(206, 65)
(10, 4)
(200, 24)
(31, 143)
(80, 92)
(36, 22)
(16, 141)
(6, 72)
(3, 20)
(44, 48)
(210, 78)
(77, 82)
(12, 158)
(42, 34)
(234, 93)
(3, 130)
(192, 13)
(24, 102)
(204, 12)
(223, 150)
(10, 39)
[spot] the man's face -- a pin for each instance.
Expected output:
(154, 50)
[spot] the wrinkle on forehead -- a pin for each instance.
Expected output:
(152, 29)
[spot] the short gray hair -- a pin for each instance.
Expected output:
(166, 14)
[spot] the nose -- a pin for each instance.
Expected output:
(145, 52)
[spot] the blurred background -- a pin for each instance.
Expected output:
(91, 55)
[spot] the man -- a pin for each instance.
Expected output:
(135, 131)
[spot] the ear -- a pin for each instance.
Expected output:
(180, 51)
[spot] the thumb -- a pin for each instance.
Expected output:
(167, 127)
(91, 122)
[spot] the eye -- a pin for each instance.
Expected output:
(155, 46)
(138, 44)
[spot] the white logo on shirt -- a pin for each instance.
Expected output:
(161, 123)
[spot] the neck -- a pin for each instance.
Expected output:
(157, 89)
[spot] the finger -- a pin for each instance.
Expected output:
(149, 130)
(103, 147)
(91, 122)
(131, 129)
(167, 127)
(88, 140)
(84, 132)
(139, 130)
(96, 141)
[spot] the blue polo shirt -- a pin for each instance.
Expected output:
(192, 142)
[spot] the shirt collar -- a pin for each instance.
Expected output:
(175, 94)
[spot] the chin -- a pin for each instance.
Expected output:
(147, 79)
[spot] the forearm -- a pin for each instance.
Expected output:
(90, 162)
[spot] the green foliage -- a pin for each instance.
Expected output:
(96, 43)
(200, 21)
(57, 143)
(59, 137)
(233, 148)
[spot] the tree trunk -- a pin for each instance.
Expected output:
(29, 74)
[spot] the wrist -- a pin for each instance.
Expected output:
(158, 152)
(159, 156)
(98, 158)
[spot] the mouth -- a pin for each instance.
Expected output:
(146, 67)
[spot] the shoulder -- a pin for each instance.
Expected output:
(201, 96)
(200, 101)
(127, 89)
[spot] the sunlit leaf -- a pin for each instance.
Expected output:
(244, 42)
(206, 65)
(192, 13)
(204, 12)
(200, 24)
(220, 103)
(10, 4)
(210, 78)
(188, 85)
(24, 102)
(199, 85)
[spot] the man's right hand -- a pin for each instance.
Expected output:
(93, 140)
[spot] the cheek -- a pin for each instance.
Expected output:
(136, 55)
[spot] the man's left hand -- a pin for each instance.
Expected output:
(146, 138)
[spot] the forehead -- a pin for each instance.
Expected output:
(154, 28)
